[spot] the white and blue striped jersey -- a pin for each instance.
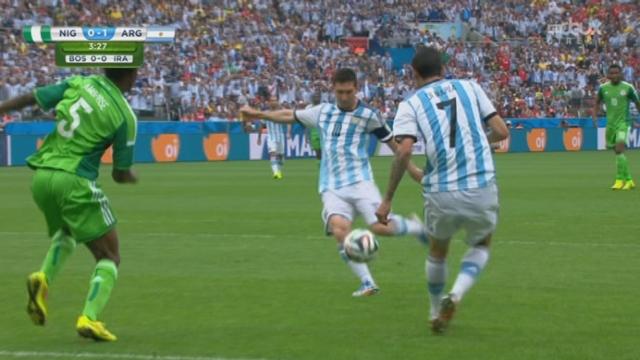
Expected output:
(276, 132)
(450, 114)
(344, 136)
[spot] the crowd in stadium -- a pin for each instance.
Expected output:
(230, 52)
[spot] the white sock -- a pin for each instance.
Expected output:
(361, 270)
(436, 278)
(404, 226)
(472, 264)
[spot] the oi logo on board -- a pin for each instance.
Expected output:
(537, 140)
(165, 147)
(572, 139)
(216, 147)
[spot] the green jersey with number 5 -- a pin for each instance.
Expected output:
(91, 115)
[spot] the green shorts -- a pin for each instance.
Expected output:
(616, 135)
(72, 203)
(314, 139)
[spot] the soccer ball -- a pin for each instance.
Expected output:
(360, 245)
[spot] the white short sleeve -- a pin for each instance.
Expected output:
(309, 117)
(487, 110)
(405, 122)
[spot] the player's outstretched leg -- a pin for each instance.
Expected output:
(399, 226)
(107, 254)
(61, 248)
(340, 227)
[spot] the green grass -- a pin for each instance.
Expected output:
(220, 260)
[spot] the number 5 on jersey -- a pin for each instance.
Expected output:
(73, 110)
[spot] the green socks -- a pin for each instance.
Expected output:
(62, 247)
(623, 168)
(102, 282)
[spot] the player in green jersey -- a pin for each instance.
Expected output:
(616, 95)
(91, 115)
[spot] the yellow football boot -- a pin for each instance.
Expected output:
(95, 330)
(37, 288)
(618, 185)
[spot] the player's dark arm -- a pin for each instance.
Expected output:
(17, 103)
(499, 130)
(401, 160)
(284, 116)
(414, 171)
(123, 146)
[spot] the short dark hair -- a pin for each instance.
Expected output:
(427, 61)
(614, 66)
(116, 74)
(345, 75)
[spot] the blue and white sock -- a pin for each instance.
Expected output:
(472, 265)
(436, 270)
(405, 226)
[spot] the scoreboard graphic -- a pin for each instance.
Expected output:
(99, 46)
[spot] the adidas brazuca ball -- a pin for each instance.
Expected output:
(360, 245)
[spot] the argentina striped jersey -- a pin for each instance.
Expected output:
(345, 138)
(450, 114)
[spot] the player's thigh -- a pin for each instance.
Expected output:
(87, 211)
(335, 205)
(366, 199)
(441, 218)
(46, 199)
(481, 214)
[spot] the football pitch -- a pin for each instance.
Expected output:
(219, 261)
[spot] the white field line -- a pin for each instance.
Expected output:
(89, 355)
(315, 237)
